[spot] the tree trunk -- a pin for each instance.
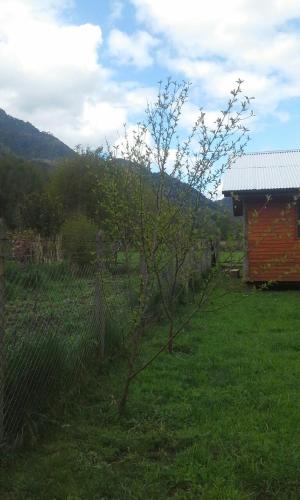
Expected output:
(170, 342)
(124, 397)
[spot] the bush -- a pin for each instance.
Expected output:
(79, 239)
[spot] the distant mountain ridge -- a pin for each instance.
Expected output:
(26, 141)
(225, 203)
(23, 139)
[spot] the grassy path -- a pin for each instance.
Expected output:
(220, 419)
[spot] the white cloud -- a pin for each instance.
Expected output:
(191, 113)
(283, 116)
(215, 42)
(50, 74)
(116, 10)
(52, 71)
(132, 49)
(215, 27)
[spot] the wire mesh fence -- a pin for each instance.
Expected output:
(58, 315)
(53, 316)
(49, 322)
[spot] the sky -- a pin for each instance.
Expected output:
(80, 69)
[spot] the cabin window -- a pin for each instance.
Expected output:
(238, 208)
(298, 218)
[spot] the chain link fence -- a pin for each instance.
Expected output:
(58, 317)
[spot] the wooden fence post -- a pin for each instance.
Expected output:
(143, 268)
(99, 296)
(2, 360)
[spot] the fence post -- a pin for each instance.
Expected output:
(99, 296)
(1, 332)
(143, 268)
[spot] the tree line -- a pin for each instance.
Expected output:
(83, 193)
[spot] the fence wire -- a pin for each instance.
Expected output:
(53, 317)
(57, 317)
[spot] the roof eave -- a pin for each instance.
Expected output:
(228, 193)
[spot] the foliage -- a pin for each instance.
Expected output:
(79, 239)
(92, 183)
(75, 181)
(228, 225)
(42, 213)
(18, 178)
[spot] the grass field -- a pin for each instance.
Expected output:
(218, 419)
(234, 257)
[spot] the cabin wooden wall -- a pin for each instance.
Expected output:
(273, 245)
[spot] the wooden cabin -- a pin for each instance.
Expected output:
(265, 188)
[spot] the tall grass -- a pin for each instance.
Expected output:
(48, 336)
(35, 371)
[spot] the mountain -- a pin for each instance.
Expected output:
(25, 140)
(226, 204)
(176, 188)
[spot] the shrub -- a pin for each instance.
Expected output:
(79, 239)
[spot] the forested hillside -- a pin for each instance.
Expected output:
(85, 185)
(25, 140)
(74, 184)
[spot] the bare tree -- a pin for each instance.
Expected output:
(162, 212)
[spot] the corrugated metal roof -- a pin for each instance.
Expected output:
(263, 171)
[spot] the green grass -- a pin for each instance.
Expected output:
(234, 257)
(51, 336)
(216, 420)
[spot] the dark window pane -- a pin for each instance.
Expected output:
(237, 208)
